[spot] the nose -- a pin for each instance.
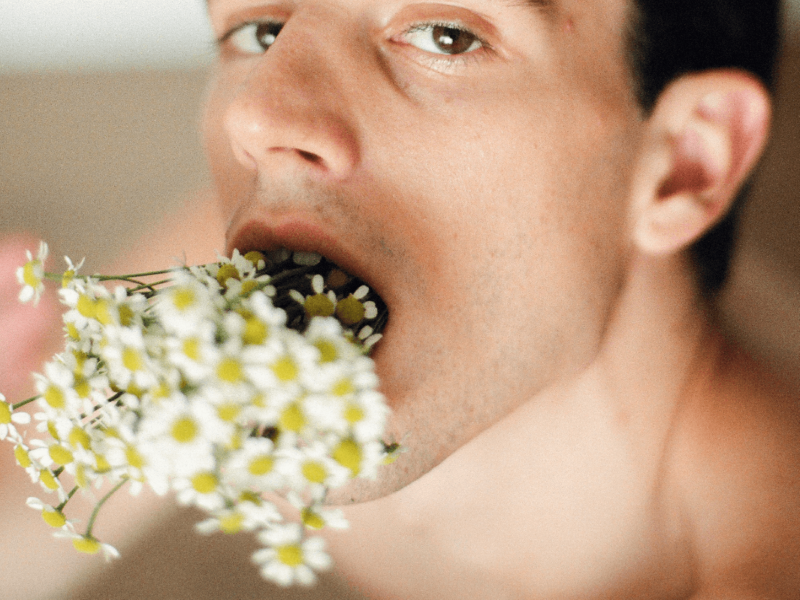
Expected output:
(291, 111)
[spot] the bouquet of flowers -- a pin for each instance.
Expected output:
(222, 383)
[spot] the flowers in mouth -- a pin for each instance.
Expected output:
(222, 383)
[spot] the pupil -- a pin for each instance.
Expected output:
(451, 40)
(266, 33)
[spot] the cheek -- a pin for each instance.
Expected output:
(232, 181)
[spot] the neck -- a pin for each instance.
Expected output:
(567, 491)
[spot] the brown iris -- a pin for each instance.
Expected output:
(267, 32)
(451, 40)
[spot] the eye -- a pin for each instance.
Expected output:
(253, 38)
(442, 39)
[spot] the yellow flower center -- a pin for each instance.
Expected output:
(191, 348)
(134, 457)
(228, 412)
(78, 437)
(60, 455)
(327, 351)
(343, 387)
(255, 257)
(125, 315)
(319, 305)
(183, 298)
(132, 359)
(285, 369)
(80, 477)
(103, 466)
(249, 286)
(231, 523)
(22, 457)
(5, 413)
(291, 555)
(312, 519)
(86, 306)
(226, 272)
(255, 332)
(250, 497)
(102, 311)
(73, 332)
(260, 465)
(48, 480)
(86, 545)
(230, 370)
(82, 388)
(314, 472)
(29, 273)
(55, 397)
(54, 518)
(350, 310)
(205, 483)
(348, 454)
(184, 430)
(353, 414)
(292, 418)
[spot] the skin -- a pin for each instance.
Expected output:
(576, 427)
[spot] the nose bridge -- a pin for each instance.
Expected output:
(293, 107)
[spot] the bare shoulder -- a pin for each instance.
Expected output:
(737, 468)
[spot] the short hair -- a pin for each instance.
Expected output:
(670, 38)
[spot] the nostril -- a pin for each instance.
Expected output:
(310, 157)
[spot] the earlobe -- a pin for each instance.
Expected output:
(705, 136)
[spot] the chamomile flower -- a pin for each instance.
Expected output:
(71, 272)
(88, 544)
(51, 515)
(317, 517)
(312, 469)
(31, 275)
(8, 417)
(254, 467)
(246, 516)
(211, 389)
(203, 489)
(185, 305)
(318, 304)
(289, 558)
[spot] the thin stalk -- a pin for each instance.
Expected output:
(102, 501)
(24, 402)
(61, 506)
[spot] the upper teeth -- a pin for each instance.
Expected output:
(306, 259)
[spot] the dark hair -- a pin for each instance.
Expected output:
(670, 38)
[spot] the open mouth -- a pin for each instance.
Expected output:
(308, 285)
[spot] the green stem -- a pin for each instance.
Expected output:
(132, 275)
(24, 402)
(102, 501)
(61, 506)
(143, 286)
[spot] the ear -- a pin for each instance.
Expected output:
(701, 142)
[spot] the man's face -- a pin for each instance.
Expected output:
(469, 159)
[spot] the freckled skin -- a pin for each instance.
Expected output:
(573, 423)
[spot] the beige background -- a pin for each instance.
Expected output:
(90, 162)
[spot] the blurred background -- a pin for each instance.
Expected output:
(99, 107)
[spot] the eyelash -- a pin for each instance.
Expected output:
(433, 59)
